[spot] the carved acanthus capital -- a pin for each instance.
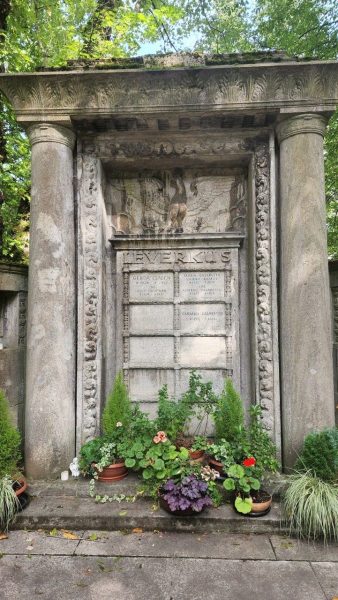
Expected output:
(47, 132)
(298, 124)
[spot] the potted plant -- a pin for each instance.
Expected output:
(220, 456)
(185, 496)
(101, 458)
(198, 447)
(242, 481)
(12, 482)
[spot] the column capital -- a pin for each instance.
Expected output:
(50, 132)
(303, 123)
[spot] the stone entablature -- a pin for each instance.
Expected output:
(270, 86)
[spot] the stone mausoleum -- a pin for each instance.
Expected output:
(177, 222)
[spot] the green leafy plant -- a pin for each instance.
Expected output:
(311, 506)
(229, 414)
(201, 399)
(200, 443)
(99, 453)
(10, 441)
(320, 455)
(118, 407)
(241, 479)
(172, 415)
(259, 444)
(9, 502)
(222, 452)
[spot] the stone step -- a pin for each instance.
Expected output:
(66, 505)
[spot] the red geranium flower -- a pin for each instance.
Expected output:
(249, 462)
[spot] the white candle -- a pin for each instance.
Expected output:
(64, 476)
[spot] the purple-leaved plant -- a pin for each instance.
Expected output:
(190, 493)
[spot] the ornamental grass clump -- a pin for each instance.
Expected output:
(9, 503)
(311, 506)
(190, 493)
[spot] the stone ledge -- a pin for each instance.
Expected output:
(69, 512)
(67, 505)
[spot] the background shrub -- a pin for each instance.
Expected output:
(320, 454)
(10, 441)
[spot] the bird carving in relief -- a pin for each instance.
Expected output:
(178, 203)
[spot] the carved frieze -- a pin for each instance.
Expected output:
(91, 264)
(264, 287)
(222, 86)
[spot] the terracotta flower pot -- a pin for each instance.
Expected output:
(215, 464)
(196, 455)
(261, 507)
(113, 472)
(23, 486)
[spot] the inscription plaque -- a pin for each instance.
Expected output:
(145, 383)
(202, 285)
(147, 287)
(152, 351)
(151, 318)
(197, 352)
(202, 318)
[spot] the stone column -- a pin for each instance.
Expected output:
(50, 383)
(305, 318)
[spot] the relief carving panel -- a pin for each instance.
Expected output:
(177, 201)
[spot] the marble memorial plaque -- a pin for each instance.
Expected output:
(144, 384)
(151, 352)
(151, 318)
(202, 318)
(199, 352)
(151, 287)
(198, 285)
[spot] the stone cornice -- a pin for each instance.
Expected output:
(304, 123)
(46, 132)
(236, 87)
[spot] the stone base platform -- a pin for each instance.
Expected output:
(67, 505)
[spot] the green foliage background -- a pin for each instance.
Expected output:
(48, 33)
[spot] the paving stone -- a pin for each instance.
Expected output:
(327, 575)
(86, 578)
(292, 549)
(39, 542)
(169, 544)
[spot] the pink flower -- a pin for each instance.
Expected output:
(161, 436)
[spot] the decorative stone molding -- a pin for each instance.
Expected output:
(228, 87)
(264, 288)
(91, 265)
(304, 123)
(46, 132)
(164, 148)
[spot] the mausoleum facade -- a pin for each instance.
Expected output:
(177, 223)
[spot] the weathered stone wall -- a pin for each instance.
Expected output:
(333, 269)
(13, 301)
